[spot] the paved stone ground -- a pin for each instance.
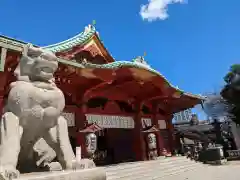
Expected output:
(229, 171)
(173, 169)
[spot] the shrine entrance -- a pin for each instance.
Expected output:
(116, 141)
(120, 145)
(166, 139)
(115, 146)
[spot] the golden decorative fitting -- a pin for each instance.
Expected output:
(141, 83)
(177, 94)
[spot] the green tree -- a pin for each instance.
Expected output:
(231, 91)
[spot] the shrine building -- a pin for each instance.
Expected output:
(120, 101)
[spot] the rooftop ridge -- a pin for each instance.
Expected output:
(80, 38)
(12, 39)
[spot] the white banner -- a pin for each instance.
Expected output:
(162, 124)
(70, 117)
(107, 121)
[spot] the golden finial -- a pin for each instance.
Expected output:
(144, 54)
(94, 22)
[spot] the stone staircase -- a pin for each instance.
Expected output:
(151, 170)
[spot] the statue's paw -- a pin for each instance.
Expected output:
(8, 172)
(54, 166)
(83, 164)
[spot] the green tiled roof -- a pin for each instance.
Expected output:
(133, 64)
(81, 38)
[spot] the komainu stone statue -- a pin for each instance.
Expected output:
(152, 146)
(32, 114)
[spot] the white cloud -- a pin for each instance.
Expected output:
(157, 9)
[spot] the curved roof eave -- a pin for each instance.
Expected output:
(121, 64)
(79, 39)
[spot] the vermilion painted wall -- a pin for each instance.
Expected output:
(139, 144)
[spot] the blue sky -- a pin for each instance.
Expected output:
(191, 43)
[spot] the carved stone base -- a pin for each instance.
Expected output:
(85, 174)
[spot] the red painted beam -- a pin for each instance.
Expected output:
(90, 90)
(114, 87)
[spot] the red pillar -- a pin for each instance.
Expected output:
(160, 142)
(81, 123)
(3, 80)
(139, 144)
(171, 134)
(81, 120)
(1, 105)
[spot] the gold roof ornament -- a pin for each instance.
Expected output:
(94, 22)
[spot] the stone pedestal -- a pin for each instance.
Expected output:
(85, 174)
